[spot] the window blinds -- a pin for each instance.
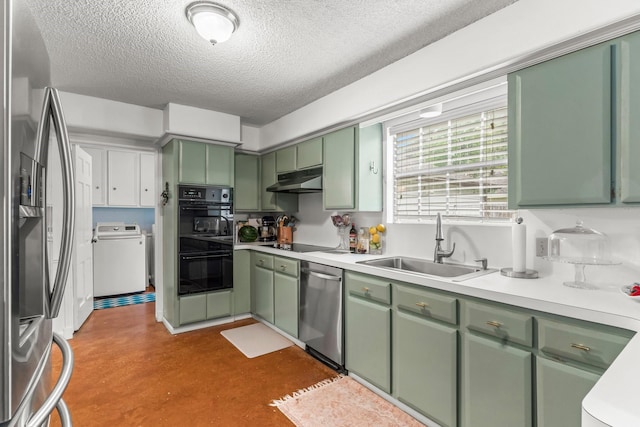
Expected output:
(457, 166)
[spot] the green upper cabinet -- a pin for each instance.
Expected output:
(560, 130)
(220, 165)
(192, 161)
(369, 172)
(573, 136)
(339, 172)
(274, 202)
(286, 159)
(268, 176)
(246, 192)
(309, 153)
(352, 173)
(200, 163)
(628, 127)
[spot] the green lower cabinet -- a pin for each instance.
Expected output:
(496, 384)
(219, 304)
(368, 341)
(193, 308)
(560, 389)
(263, 291)
(205, 306)
(241, 282)
(285, 306)
(425, 356)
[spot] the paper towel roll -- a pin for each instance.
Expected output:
(519, 247)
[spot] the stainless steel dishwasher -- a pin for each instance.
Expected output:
(320, 321)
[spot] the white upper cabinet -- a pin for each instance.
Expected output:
(123, 178)
(99, 175)
(147, 179)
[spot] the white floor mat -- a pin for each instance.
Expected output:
(256, 340)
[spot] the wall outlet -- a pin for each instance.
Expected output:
(542, 246)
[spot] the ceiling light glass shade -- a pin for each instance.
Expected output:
(214, 23)
(431, 111)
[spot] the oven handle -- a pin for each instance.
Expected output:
(188, 258)
(206, 207)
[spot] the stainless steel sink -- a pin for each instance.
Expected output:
(422, 266)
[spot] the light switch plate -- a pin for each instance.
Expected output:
(542, 246)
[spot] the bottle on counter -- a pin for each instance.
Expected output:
(353, 239)
(362, 247)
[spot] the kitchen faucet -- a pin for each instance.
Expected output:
(438, 252)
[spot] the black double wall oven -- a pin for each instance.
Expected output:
(205, 248)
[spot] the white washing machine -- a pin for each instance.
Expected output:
(119, 259)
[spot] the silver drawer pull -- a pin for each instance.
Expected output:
(422, 304)
(494, 323)
(580, 347)
(283, 267)
(261, 261)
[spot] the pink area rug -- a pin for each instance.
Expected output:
(341, 401)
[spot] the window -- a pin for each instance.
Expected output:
(455, 164)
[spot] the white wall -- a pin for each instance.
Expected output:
(106, 117)
(521, 28)
(250, 138)
(200, 123)
(518, 30)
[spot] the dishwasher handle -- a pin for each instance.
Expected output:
(321, 275)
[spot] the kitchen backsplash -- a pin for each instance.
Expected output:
(493, 242)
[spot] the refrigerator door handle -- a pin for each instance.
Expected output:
(53, 110)
(55, 398)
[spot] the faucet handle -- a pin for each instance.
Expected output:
(483, 261)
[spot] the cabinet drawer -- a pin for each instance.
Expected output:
(286, 266)
(498, 322)
(426, 304)
(263, 260)
(368, 287)
(589, 344)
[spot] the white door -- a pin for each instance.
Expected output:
(83, 251)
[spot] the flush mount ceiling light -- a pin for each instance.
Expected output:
(431, 111)
(213, 22)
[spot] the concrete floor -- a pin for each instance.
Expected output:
(130, 371)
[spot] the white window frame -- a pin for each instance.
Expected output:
(458, 104)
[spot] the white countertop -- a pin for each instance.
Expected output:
(612, 401)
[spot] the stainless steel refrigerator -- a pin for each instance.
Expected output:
(32, 124)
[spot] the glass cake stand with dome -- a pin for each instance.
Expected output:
(580, 246)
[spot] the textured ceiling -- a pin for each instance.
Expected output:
(285, 54)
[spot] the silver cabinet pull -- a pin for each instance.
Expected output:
(283, 267)
(494, 323)
(581, 347)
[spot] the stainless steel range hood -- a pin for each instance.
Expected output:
(302, 181)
